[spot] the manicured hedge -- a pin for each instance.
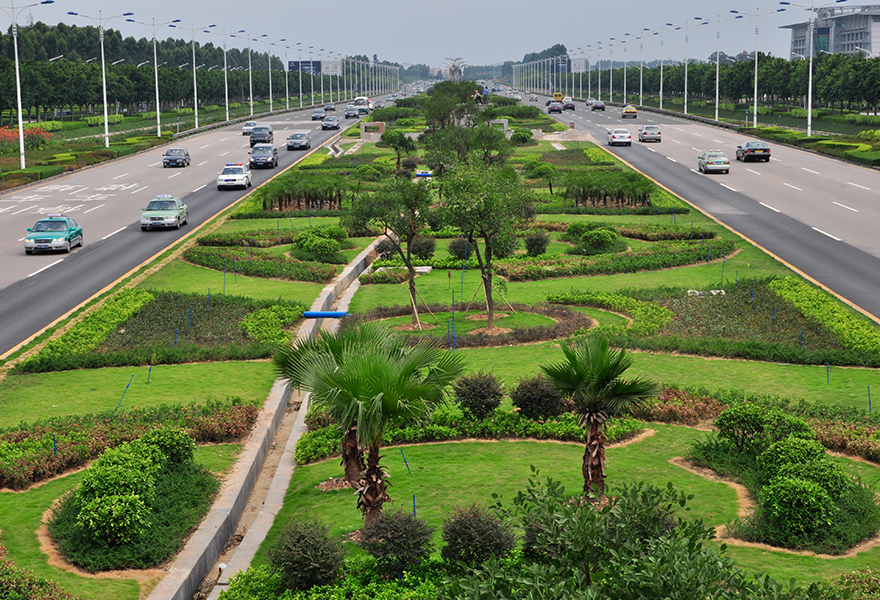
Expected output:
(647, 317)
(258, 263)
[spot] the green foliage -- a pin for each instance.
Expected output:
(257, 263)
(268, 325)
(789, 451)
(796, 505)
(305, 555)
(833, 479)
(263, 238)
(458, 248)
(367, 173)
(608, 188)
(116, 519)
(175, 443)
(473, 535)
(385, 275)
(647, 317)
(260, 582)
(398, 541)
(859, 585)
(99, 120)
(22, 584)
(319, 247)
(184, 112)
(742, 424)
(537, 398)
(598, 241)
(423, 247)
(386, 249)
(521, 136)
(478, 394)
(536, 242)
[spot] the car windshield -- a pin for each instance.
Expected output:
(261, 151)
(298, 136)
(176, 152)
(161, 205)
(621, 132)
(721, 156)
(50, 226)
(319, 111)
(250, 124)
(260, 130)
(233, 171)
(331, 118)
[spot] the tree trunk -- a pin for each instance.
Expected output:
(594, 457)
(372, 495)
(353, 458)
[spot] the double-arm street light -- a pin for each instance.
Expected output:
(717, 22)
(687, 27)
(192, 31)
(756, 17)
(250, 70)
(662, 30)
(225, 68)
(286, 72)
(154, 27)
(99, 21)
(812, 8)
(269, 56)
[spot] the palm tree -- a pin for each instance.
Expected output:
(366, 377)
(591, 374)
(399, 142)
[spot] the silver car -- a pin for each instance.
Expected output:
(248, 127)
(620, 136)
(713, 161)
(299, 140)
(649, 133)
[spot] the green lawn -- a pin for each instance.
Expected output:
(285, 224)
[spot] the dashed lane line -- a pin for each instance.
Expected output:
(727, 186)
(768, 206)
(836, 239)
(845, 206)
(138, 190)
(750, 171)
(200, 187)
(810, 171)
(793, 187)
(858, 186)
(94, 208)
(46, 267)
(120, 176)
(114, 233)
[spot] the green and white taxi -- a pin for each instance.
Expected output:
(165, 211)
(55, 232)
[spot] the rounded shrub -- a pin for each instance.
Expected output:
(398, 541)
(319, 247)
(478, 394)
(536, 242)
(410, 163)
(473, 535)
(537, 398)
(598, 240)
(780, 426)
(504, 245)
(367, 173)
(521, 136)
(305, 555)
(175, 444)
(831, 477)
(112, 480)
(423, 247)
(796, 506)
(385, 249)
(787, 452)
(741, 424)
(318, 418)
(116, 519)
(434, 219)
(458, 248)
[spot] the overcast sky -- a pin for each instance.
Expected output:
(479, 31)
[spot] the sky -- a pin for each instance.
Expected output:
(480, 32)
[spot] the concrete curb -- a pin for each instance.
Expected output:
(201, 551)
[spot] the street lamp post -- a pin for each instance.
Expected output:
(225, 70)
(717, 22)
(812, 8)
(286, 73)
(269, 56)
(311, 76)
(756, 17)
(321, 73)
(100, 23)
(192, 30)
(687, 27)
(154, 28)
(299, 62)
(611, 71)
(250, 69)
(662, 30)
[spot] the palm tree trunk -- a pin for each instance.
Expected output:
(594, 458)
(353, 458)
(372, 494)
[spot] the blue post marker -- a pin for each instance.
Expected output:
(453, 338)
(802, 339)
(404, 461)
(291, 223)
(827, 373)
(414, 506)
(447, 334)
(234, 271)
(55, 441)
(209, 297)
(707, 254)
(254, 237)
(150, 372)
(175, 337)
(753, 295)
(869, 399)
(190, 317)
(773, 318)
(692, 230)
(224, 275)
(278, 223)
(702, 238)
(723, 262)
(123, 393)
(463, 263)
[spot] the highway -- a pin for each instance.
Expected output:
(106, 200)
(815, 213)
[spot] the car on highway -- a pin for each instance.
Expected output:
(262, 134)
(567, 104)
(549, 102)
(318, 114)
(234, 175)
(598, 105)
(649, 133)
(351, 112)
(329, 106)
(590, 101)
(299, 140)
(713, 161)
(379, 105)
(555, 107)
(533, 98)
(163, 212)
(175, 157)
(248, 127)
(753, 151)
(54, 232)
(330, 123)
(629, 111)
(264, 155)
(619, 136)
(362, 109)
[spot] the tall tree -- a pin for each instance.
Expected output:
(486, 204)
(591, 373)
(399, 142)
(371, 379)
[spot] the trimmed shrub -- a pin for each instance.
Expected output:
(796, 505)
(478, 394)
(598, 241)
(367, 173)
(521, 136)
(741, 424)
(473, 535)
(459, 249)
(102, 481)
(536, 242)
(423, 247)
(537, 398)
(305, 555)
(117, 519)
(398, 541)
(788, 452)
(176, 444)
(385, 249)
(320, 248)
(504, 245)
(385, 275)
(831, 477)
(318, 418)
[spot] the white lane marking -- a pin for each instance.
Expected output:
(697, 134)
(809, 170)
(95, 208)
(205, 146)
(224, 139)
(793, 187)
(836, 239)
(24, 209)
(672, 159)
(155, 163)
(750, 171)
(651, 149)
(204, 162)
(175, 175)
(114, 233)
(675, 142)
(650, 121)
(844, 206)
(768, 206)
(727, 186)
(695, 149)
(120, 176)
(46, 267)
(225, 153)
(718, 141)
(200, 187)
(244, 145)
(858, 186)
(776, 159)
(678, 129)
(139, 190)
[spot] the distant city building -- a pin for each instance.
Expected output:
(435, 71)
(839, 30)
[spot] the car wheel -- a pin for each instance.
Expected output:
(67, 247)
(81, 241)
(726, 171)
(767, 159)
(219, 188)
(164, 165)
(186, 219)
(28, 251)
(177, 225)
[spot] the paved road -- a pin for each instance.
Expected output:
(38, 289)
(817, 214)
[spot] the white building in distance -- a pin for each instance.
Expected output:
(839, 29)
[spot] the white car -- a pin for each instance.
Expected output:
(234, 175)
(619, 136)
(248, 127)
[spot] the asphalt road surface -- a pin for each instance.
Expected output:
(38, 289)
(817, 214)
